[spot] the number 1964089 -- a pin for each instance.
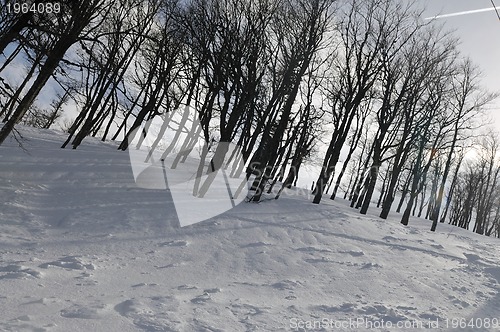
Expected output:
(42, 7)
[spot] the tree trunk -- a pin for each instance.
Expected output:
(15, 29)
(46, 72)
(371, 186)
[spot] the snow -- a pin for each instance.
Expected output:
(83, 248)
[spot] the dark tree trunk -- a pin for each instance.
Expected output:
(45, 73)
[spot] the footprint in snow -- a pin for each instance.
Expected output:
(186, 287)
(212, 290)
(175, 243)
(313, 249)
(129, 307)
(201, 299)
(164, 303)
(69, 263)
(247, 309)
(151, 314)
(255, 244)
(353, 253)
(380, 311)
(44, 301)
(406, 308)
(370, 266)
(462, 289)
(84, 312)
(143, 284)
(318, 260)
(84, 275)
(346, 307)
(176, 264)
(459, 303)
(21, 323)
(19, 272)
(134, 307)
(88, 283)
(286, 285)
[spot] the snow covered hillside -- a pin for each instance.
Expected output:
(84, 249)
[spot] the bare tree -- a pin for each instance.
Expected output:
(111, 52)
(466, 104)
(299, 30)
(162, 56)
(71, 26)
(427, 58)
(368, 31)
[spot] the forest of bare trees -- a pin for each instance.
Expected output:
(380, 99)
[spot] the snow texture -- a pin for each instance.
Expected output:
(83, 248)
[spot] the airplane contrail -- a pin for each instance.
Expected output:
(466, 13)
